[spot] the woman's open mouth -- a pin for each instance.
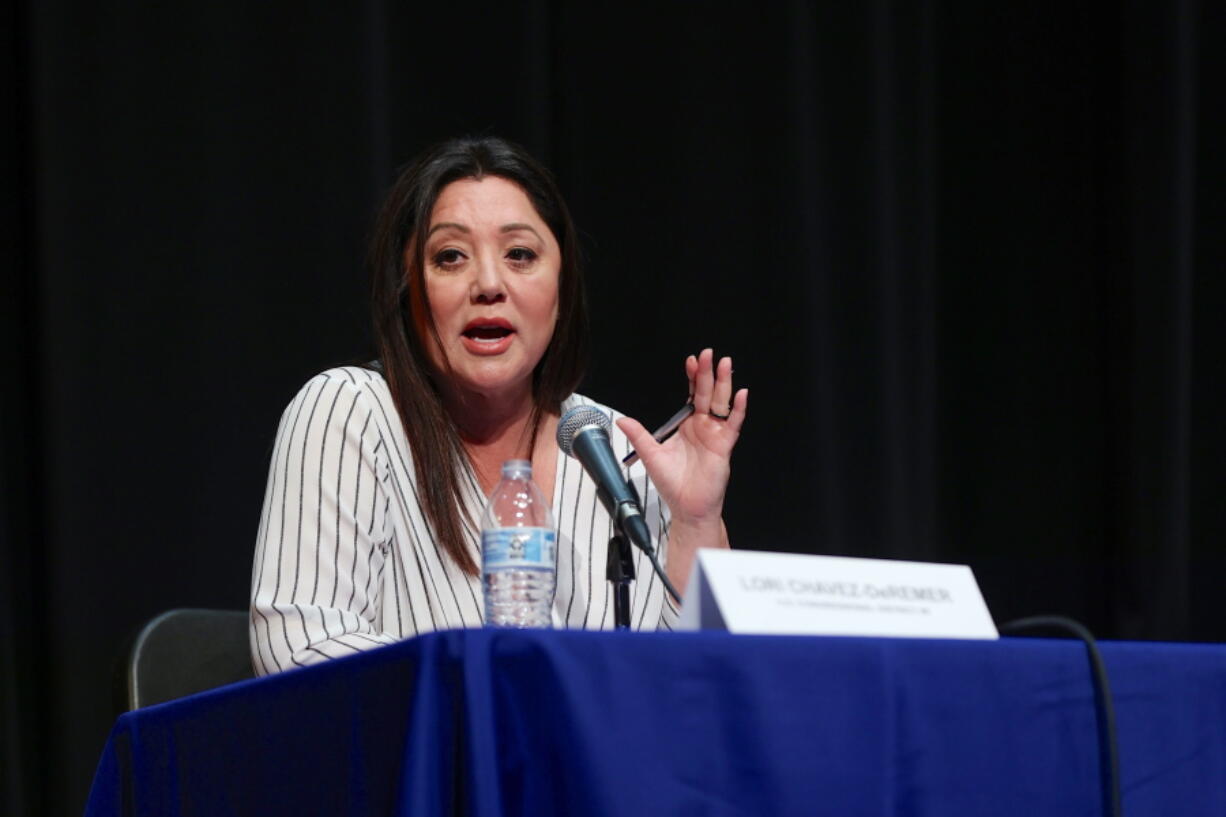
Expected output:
(487, 336)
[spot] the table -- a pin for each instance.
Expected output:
(490, 722)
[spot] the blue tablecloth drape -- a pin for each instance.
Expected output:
(490, 722)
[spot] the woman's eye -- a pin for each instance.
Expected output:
(448, 258)
(521, 255)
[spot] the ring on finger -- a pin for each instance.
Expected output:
(719, 416)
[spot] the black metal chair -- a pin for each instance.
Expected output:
(185, 651)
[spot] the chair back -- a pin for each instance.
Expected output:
(185, 651)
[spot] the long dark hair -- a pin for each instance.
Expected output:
(439, 457)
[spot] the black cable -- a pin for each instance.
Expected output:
(672, 591)
(1108, 745)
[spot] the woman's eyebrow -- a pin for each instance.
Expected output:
(512, 227)
(445, 224)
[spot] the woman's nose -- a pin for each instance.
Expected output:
(487, 285)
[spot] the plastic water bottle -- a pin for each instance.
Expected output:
(518, 551)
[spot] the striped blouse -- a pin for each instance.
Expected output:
(345, 560)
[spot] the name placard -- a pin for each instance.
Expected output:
(793, 594)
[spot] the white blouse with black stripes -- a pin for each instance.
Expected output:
(346, 561)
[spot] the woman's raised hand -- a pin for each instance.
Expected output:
(691, 469)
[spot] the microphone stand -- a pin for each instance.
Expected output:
(619, 570)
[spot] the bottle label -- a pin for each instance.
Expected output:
(510, 548)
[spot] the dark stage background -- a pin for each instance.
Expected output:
(967, 256)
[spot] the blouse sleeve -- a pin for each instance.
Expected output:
(321, 544)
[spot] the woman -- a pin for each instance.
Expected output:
(378, 478)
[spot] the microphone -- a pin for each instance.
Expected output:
(583, 433)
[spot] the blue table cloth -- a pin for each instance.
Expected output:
(490, 722)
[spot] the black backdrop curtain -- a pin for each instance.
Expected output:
(967, 257)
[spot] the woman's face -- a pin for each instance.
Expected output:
(491, 269)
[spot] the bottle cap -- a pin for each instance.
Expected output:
(516, 468)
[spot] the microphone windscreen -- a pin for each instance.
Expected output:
(578, 418)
